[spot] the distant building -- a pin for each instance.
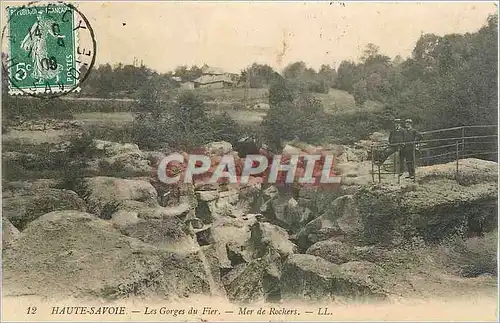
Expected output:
(214, 81)
(215, 78)
(208, 70)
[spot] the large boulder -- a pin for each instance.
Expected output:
(432, 211)
(218, 148)
(341, 221)
(102, 191)
(214, 204)
(433, 208)
(254, 282)
(338, 252)
(164, 227)
(230, 238)
(122, 158)
(29, 205)
(356, 174)
(250, 255)
(54, 252)
(379, 137)
(227, 201)
(282, 209)
(110, 149)
(470, 171)
(26, 187)
(267, 238)
(311, 278)
(334, 251)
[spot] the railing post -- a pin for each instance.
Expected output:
(457, 156)
(394, 163)
(463, 140)
(398, 166)
(379, 178)
(414, 162)
(373, 169)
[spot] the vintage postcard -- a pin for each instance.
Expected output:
(266, 161)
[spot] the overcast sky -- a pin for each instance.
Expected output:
(233, 35)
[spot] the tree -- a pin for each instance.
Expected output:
(293, 113)
(190, 124)
(360, 92)
(258, 75)
(150, 101)
(328, 75)
(346, 76)
(294, 70)
(281, 91)
(371, 50)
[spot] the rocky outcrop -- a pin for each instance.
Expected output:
(54, 252)
(254, 282)
(227, 201)
(230, 239)
(334, 251)
(432, 209)
(164, 227)
(27, 206)
(471, 171)
(250, 255)
(218, 148)
(341, 221)
(286, 212)
(112, 157)
(310, 278)
(237, 241)
(339, 252)
(366, 271)
(102, 191)
(13, 188)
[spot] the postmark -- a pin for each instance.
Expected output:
(51, 49)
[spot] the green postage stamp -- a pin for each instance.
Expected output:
(44, 54)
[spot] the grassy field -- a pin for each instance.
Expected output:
(341, 102)
(217, 101)
(115, 118)
(232, 102)
(103, 117)
(234, 95)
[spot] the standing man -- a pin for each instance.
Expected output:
(396, 139)
(412, 137)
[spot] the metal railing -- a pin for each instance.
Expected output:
(451, 144)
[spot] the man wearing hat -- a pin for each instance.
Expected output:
(396, 139)
(412, 137)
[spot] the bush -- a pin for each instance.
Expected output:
(319, 86)
(226, 128)
(293, 114)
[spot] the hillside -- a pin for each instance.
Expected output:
(245, 111)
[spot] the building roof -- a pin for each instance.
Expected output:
(212, 70)
(207, 79)
(176, 78)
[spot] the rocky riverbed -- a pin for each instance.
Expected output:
(118, 236)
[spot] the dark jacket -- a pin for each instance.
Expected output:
(412, 135)
(397, 136)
